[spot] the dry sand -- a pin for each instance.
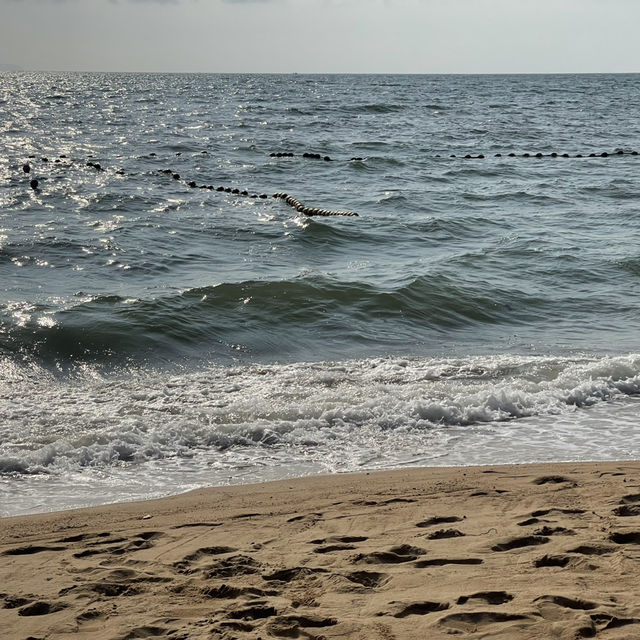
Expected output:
(535, 551)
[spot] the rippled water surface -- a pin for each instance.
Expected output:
(156, 336)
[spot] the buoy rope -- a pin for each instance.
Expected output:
(481, 156)
(290, 200)
(300, 207)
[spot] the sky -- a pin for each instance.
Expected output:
(322, 36)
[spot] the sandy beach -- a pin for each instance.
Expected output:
(534, 551)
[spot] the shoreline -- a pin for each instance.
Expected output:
(506, 551)
(319, 475)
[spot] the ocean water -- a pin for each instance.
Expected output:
(156, 336)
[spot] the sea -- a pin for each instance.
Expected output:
(159, 332)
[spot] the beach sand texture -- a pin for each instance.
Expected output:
(534, 551)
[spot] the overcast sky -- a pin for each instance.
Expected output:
(316, 36)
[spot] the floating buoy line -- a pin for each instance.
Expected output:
(300, 207)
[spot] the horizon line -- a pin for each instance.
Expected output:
(328, 73)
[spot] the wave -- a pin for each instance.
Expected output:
(263, 318)
(56, 425)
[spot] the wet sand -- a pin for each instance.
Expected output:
(508, 552)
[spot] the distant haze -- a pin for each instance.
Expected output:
(321, 36)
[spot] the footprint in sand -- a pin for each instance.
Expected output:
(338, 543)
(234, 566)
(488, 597)
(554, 510)
(606, 621)
(554, 531)
(294, 626)
(312, 517)
(519, 543)
(148, 631)
(331, 548)
(554, 480)
(441, 562)
(139, 542)
(197, 524)
(257, 611)
(443, 534)
(24, 551)
(85, 536)
(627, 510)
(630, 506)
(625, 537)
(395, 555)
(13, 602)
(557, 561)
(494, 492)
(592, 549)
(438, 520)
(41, 608)
(206, 552)
(471, 622)
(347, 539)
(368, 579)
(229, 592)
(287, 575)
(404, 609)
(89, 615)
(565, 602)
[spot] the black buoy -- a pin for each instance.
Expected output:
(34, 184)
(526, 155)
(498, 155)
(481, 157)
(327, 159)
(565, 155)
(578, 155)
(192, 184)
(538, 155)
(44, 159)
(554, 155)
(512, 155)
(176, 176)
(26, 168)
(604, 154)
